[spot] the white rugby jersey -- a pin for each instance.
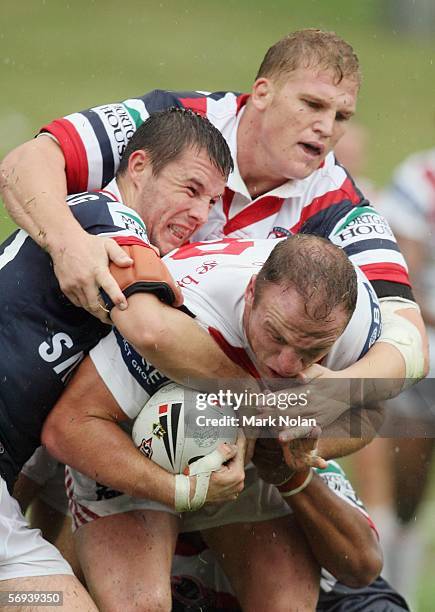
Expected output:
(409, 204)
(213, 277)
(326, 203)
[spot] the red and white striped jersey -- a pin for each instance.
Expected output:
(326, 203)
(409, 204)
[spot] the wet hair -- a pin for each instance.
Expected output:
(166, 134)
(318, 270)
(310, 48)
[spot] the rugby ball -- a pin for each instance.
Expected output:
(174, 432)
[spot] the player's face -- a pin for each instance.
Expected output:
(302, 119)
(282, 337)
(176, 202)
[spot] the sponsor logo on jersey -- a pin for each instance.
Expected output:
(279, 232)
(360, 223)
(133, 224)
(119, 124)
(145, 447)
(53, 351)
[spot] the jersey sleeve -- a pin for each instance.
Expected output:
(128, 376)
(347, 219)
(335, 478)
(362, 331)
(408, 201)
(93, 140)
(99, 213)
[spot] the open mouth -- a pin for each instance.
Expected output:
(179, 232)
(311, 149)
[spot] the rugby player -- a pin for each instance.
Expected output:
(44, 336)
(274, 319)
(341, 535)
(408, 202)
(286, 180)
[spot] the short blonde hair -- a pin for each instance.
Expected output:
(311, 48)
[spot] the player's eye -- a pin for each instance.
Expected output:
(313, 104)
(342, 117)
(278, 339)
(192, 191)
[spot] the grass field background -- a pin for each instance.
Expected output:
(59, 56)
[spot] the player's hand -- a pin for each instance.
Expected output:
(301, 453)
(82, 267)
(269, 460)
(319, 398)
(227, 482)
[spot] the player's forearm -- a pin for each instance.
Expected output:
(174, 343)
(339, 536)
(333, 448)
(33, 188)
(101, 450)
(351, 432)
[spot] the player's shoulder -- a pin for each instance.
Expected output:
(103, 211)
(332, 181)
(218, 103)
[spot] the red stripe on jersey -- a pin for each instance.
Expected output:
(236, 354)
(430, 175)
(76, 160)
(386, 272)
(241, 101)
(199, 105)
(259, 210)
(345, 192)
(91, 516)
(129, 240)
(227, 198)
(109, 193)
(163, 409)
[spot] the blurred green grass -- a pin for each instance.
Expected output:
(59, 56)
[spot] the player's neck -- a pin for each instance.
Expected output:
(127, 191)
(252, 158)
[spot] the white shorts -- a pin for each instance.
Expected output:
(23, 551)
(257, 502)
(49, 473)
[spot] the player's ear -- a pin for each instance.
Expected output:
(262, 93)
(138, 164)
(250, 290)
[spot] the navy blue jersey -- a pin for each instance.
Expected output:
(43, 336)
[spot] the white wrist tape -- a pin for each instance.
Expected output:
(404, 335)
(300, 488)
(202, 469)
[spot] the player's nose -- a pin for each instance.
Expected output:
(289, 363)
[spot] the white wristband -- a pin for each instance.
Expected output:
(182, 493)
(301, 487)
(202, 469)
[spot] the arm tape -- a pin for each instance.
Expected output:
(147, 274)
(202, 469)
(404, 335)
